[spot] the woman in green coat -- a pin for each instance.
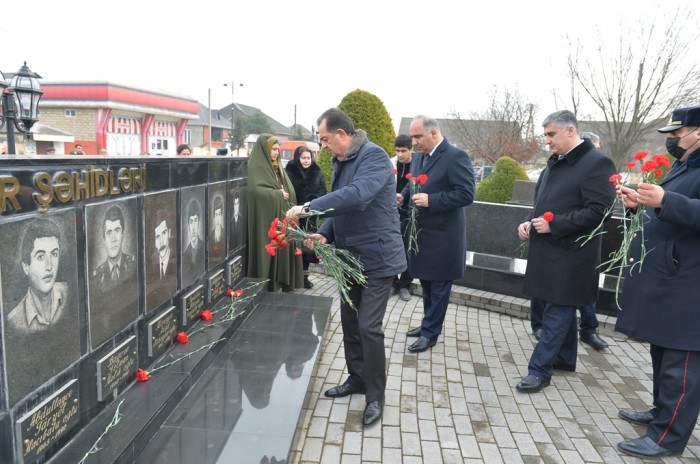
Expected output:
(270, 194)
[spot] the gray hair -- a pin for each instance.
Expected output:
(590, 135)
(561, 119)
(428, 122)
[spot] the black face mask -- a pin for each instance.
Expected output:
(673, 148)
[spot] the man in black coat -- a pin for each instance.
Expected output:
(402, 164)
(575, 189)
(441, 224)
(659, 300)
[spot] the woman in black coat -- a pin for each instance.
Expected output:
(309, 183)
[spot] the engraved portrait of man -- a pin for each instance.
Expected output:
(161, 278)
(193, 242)
(113, 281)
(217, 224)
(42, 330)
(237, 215)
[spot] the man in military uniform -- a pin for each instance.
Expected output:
(119, 266)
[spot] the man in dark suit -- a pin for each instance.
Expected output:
(217, 234)
(441, 225)
(361, 217)
(193, 254)
(575, 187)
(659, 299)
(161, 278)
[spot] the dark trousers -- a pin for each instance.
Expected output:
(558, 343)
(587, 327)
(405, 279)
(676, 391)
(436, 296)
(363, 336)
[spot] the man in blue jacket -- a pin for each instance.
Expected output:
(441, 223)
(361, 217)
(660, 299)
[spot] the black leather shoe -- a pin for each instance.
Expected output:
(531, 384)
(636, 417)
(421, 345)
(595, 341)
(537, 333)
(373, 411)
(644, 447)
(413, 332)
(342, 390)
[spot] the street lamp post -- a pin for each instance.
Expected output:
(233, 87)
(20, 103)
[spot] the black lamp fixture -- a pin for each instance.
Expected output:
(20, 103)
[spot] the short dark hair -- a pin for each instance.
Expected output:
(336, 119)
(181, 147)
(561, 119)
(403, 141)
(38, 228)
(193, 209)
(218, 203)
(114, 213)
(162, 215)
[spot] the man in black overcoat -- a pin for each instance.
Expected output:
(575, 187)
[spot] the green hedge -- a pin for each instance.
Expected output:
(498, 187)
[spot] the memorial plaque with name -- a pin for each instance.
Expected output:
(44, 425)
(115, 367)
(192, 305)
(217, 285)
(234, 271)
(161, 332)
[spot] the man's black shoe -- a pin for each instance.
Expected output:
(644, 447)
(595, 341)
(421, 345)
(373, 411)
(636, 417)
(308, 283)
(531, 384)
(413, 332)
(342, 390)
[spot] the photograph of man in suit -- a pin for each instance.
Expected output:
(113, 283)
(41, 332)
(162, 275)
(217, 234)
(236, 223)
(193, 254)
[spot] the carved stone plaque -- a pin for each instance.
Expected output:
(192, 305)
(234, 270)
(41, 427)
(161, 332)
(115, 367)
(217, 285)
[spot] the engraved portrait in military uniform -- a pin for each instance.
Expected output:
(41, 327)
(192, 233)
(113, 284)
(217, 224)
(237, 213)
(160, 238)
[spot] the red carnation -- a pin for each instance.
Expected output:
(270, 248)
(206, 315)
(548, 216)
(229, 292)
(142, 375)
(615, 178)
(658, 173)
(409, 176)
(422, 179)
(272, 232)
(238, 293)
(182, 338)
(396, 171)
(662, 160)
(640, 155)
(631, 165)
(297, 252)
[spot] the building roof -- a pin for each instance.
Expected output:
(245, 110)
(217, 119)
(43, 133)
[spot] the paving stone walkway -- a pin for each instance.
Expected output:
(457, 403)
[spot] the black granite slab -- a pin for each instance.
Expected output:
(248, 402)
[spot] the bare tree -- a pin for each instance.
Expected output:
(637, 81)
(504, 129)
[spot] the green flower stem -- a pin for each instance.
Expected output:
(95, 449)
(184, 356)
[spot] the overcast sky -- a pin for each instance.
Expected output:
(419, 57)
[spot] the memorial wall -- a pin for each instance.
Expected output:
(104, 260)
